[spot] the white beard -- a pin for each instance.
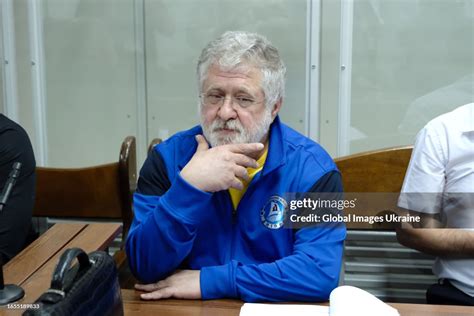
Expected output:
(254, 135)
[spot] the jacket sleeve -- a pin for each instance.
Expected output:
(310, 273)
(164, 224)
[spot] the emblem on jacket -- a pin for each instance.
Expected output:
(273, 212)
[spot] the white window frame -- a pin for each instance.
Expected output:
(8, 59)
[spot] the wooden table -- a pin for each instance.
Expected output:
(33, 268)
(172, 307)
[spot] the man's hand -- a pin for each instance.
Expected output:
(221, 167)
(430, 236)
(182, 284)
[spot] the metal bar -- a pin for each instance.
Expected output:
(2, 61)
(10, 91)
(344, 108)
(313, 72)
(140, 80)
(35, 19)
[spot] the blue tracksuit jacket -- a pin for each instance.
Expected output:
(179, 226)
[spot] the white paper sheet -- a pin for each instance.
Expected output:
(344, 300)
(256, 309)
(350, 300)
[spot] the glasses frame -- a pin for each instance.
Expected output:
(233, 100)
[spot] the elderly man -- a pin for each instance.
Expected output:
(209, 219)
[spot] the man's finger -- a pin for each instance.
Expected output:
(245, 161)
(241, 172)
(152, 286)
(245, 148)
(166, 292)
(147, 287)
(202, 143)
(237, 184)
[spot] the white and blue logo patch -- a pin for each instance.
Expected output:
(273, 212)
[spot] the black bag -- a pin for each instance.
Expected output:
(89, 288)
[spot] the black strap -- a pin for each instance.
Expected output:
(63, 267)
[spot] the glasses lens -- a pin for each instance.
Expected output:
(245, 102)
(213, 99)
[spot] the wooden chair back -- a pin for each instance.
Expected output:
(126, 278)
(375, 171)
(379, 171)
(154, 141)
(97, 192)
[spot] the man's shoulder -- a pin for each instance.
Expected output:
(15, 144)
(8, 125)
(460, 119)
(169, 156)
(183, 140)
(298, 145)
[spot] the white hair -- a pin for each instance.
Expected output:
(236, 48)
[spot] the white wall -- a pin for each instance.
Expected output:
(1, 73)
(90, 80)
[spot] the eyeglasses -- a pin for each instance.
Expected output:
(215, 99)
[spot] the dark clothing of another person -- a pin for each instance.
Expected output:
(15, 218)
(444, 293)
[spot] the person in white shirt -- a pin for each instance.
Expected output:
(439, 185)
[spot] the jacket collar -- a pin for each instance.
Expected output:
(276, 151)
